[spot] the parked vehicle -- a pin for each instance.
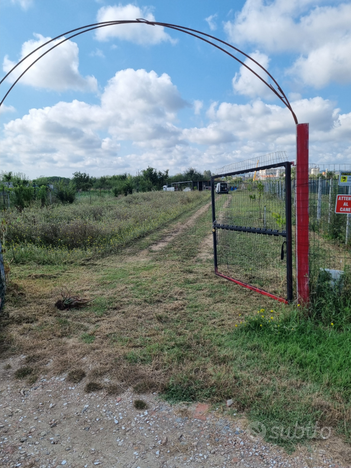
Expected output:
(222, 187)
(168, 189)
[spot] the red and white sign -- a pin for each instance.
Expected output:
(343, 204)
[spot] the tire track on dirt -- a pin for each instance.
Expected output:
(178, 229)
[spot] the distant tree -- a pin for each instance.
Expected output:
(7, 177)
(40, 181)
(103, 183)
(22, 196)
(141, 184)
(65, 193)
(42, 194)
(124, 187)
(82, 181)
(56, 179)
(237, 180)
(192, 174)
(157, 178)
(331, 175)
(119, 177)
(17, 179)
(207, 175)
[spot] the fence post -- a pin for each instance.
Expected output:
(302, 215)
(288, 227)
(347, 234)
(319, 203)
(330, 199)
(214, 234)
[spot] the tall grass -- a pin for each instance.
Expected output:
(65, 233)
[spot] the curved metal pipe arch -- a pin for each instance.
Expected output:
(191, 32)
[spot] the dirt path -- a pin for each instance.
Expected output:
(178, 229)
(54, 423)
(206, 246)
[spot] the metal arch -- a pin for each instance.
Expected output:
(192, 32)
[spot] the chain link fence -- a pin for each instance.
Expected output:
(329, 232)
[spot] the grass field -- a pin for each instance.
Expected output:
(160, 320)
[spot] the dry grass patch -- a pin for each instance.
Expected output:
(93, 387)
(23, 372)
(140, 405)
(75, 376)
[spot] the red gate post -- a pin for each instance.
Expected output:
(302, 215)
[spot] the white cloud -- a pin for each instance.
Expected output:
(198, 105)
(58, 70)
(136, 125)
(24, 4)
(97, 53)
(136, 108)
(247, 84)
(143, 105)
(138, 33)
(330, 62)
(241, 131)
(211, 20)
(4, 109)
(320, 33)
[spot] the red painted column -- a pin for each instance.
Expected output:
(302, 215)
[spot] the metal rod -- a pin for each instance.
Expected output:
(267, 232)
(319, 202)
(288, 227)
(192, 32)
(245, 171)
(213, 224)
(330, 199)
(253, 288)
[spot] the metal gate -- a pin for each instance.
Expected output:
(252, 228)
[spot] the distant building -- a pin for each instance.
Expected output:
(271, 173)
(314, 171)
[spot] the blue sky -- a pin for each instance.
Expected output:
(131, 96)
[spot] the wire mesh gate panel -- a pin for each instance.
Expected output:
(252, 229)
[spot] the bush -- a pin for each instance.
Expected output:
(124, 187)
(66, 194)
(331, 302)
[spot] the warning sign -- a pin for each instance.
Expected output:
(343, 204)
(345, 179)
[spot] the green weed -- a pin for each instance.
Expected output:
(87, 338)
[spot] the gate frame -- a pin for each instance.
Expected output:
(302, 130)
(287, 233)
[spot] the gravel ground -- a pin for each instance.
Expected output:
(54, 423)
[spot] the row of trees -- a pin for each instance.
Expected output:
(17, 190)
(145, 181)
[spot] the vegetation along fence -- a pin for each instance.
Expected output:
(329, 231)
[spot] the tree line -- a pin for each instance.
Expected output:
(17, 190)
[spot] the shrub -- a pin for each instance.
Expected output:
(64, 193)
